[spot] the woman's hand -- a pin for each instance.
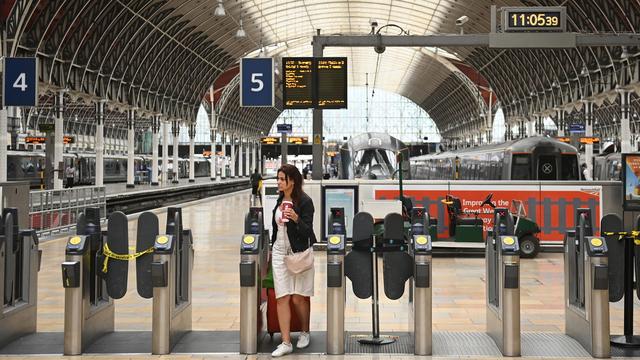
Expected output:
(290, 214)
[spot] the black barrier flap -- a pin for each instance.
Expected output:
(393, 229)
(421, 276)
(247, 274)
(397, 269)
(612, 223)
(334, 275)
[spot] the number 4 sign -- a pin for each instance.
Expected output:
(256, 82)
(19, 82)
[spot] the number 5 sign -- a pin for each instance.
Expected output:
(256, 82)
(19, 82)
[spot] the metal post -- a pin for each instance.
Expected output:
(57, 139)
(588, 128)
(155, 128)
(233, 155)
(165, 151)
(317, 150)
(560, 121)
(240, 157)
(247, 157)
(176, 144)
(223, 171)
(214, 156)
(192, 138)
(100, 143)
(3, 145)
(283, 148)
(130, 148)
(625, 129)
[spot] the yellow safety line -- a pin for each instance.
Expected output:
(635, 235)
(122, 257)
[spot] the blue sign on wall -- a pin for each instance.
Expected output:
(577, 127)
(256, 82)
(20, 82)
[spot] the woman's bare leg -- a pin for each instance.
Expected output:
(284, 317)
(302, 310)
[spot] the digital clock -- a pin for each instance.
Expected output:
(534, 19)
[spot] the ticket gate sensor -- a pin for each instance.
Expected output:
(19, 266)
(587, 286)
(503, 284)
(420, 304)
(163, 268)
(336, 294)
(254, 251)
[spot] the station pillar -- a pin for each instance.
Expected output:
(130, 148)
(223, 138)
(100, 143)
(240, 157)
(560, 121)
(58, 140)
(165, 152)
(192, 138)
(214, 157)
(175, 129)
(588, 131)
(625, 129)
(155, 128)
(247, 157)
(233, 155)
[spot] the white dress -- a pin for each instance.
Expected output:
(284, 281)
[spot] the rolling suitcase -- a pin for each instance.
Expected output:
(272, 314)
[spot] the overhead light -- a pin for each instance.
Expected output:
(219, 11)
(584, 71)
(241, 33)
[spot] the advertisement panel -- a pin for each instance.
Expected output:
(631, 181)
(551, 207)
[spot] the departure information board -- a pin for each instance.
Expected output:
(319, 83)
(331, 83)
(298, 83)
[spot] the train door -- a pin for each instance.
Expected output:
(547, 167)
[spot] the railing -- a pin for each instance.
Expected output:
(54, 212)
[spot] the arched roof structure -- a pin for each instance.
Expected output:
(162, 56)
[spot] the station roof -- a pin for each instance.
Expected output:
(167, 57)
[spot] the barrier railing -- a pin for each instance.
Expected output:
(55, 211)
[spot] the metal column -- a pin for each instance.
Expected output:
(155, 128)
(625, 129)
(3, 145)
(58, 141)
(131, 134)
(233, 155)
(176, 144)
(588, 128)
(240, 157)
(223, 171)
(100, 143)
(192, 138)
(560, 121)
(247, 157)
(165, 152)
(213, 171)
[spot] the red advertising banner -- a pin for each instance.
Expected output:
(552, 207)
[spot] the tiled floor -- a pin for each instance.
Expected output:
(458, 295)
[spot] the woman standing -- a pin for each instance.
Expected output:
(292, 232)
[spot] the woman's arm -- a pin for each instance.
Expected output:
(305, 221)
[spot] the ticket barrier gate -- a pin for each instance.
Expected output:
(254, 251)
(503, 284)
(336, 294)
(19, 266)
(360, 266)
(420, 304)
(587, 286)
(95, 271)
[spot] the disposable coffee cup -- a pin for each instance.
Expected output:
(286, 205)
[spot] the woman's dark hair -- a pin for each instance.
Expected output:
(291, 173)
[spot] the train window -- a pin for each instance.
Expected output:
(521, 167)
(569, 168)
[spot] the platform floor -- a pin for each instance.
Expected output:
(114, 189)
(458, 295)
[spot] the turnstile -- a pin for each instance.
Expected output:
(254, 251)
(587, 287)
(503, 284)
(19, 266)
(420, 304)
(164, 266)
(336, 294)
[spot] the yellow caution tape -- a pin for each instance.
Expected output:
(635, 235)
(122, 257)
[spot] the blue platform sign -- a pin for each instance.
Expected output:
(20, 82)
(256, 82)
(576, 127)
